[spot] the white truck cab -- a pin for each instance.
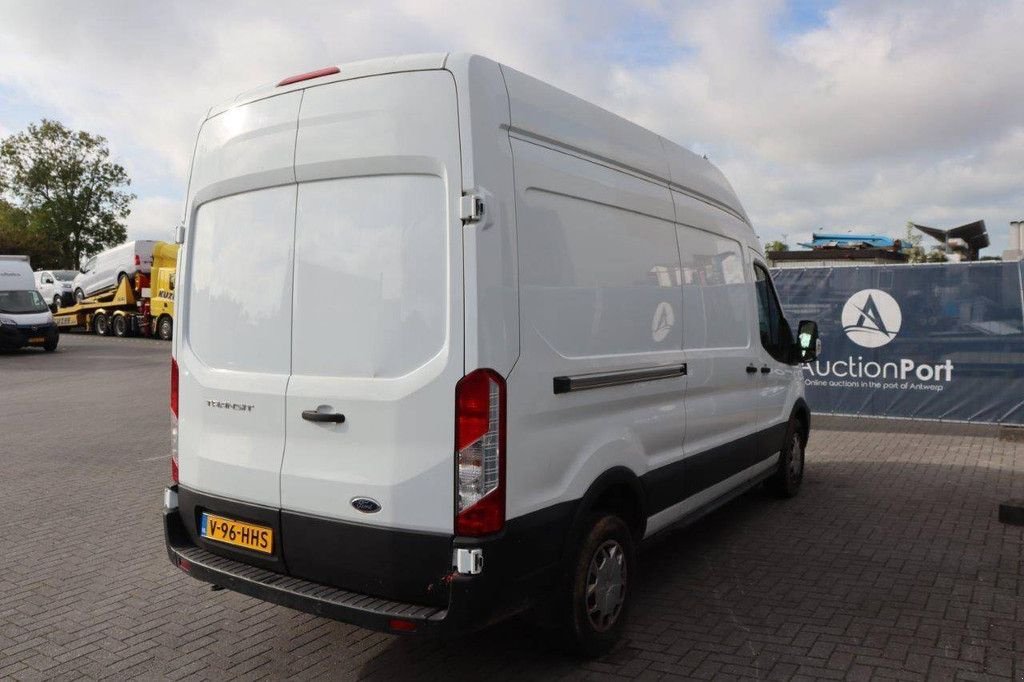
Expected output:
(25, 318)
(501, 336)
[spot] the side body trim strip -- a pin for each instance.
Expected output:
(582, 382)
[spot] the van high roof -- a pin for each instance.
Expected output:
(542, 114)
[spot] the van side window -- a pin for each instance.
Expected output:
(776, 336)
(712, 280)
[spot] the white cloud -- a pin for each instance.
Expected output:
(154, 218)
(885, 112)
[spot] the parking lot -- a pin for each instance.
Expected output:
(890, 564)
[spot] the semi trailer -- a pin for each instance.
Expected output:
(142, 305)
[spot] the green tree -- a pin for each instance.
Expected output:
(67, 186)
(20, 234)
(777, 245)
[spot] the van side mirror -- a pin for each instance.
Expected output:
(808, 343)
(48, 280)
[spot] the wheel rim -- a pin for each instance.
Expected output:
(56, 301)
(606, 585)
(796, 458)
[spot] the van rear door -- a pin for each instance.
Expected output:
(376, 315)
(234, 352)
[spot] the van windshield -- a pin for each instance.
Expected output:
(14, 302)
(64, 275)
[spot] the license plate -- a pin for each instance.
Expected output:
(37, 339)
(237, 533)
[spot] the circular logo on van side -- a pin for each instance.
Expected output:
(366, 505)
(661, 325)
(871, 318)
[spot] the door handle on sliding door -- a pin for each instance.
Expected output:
(751, 369)
(765, 369)
(323, 417)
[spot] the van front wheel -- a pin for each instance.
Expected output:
(600, 585)
(786, 480)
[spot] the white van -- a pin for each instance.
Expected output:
(25, 318)
(55, 286)
(501, 337)
(105, 270)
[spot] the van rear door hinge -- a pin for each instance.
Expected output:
(472, 208)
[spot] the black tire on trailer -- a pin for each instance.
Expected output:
(786, 480)
(597, 593)
(120, 327)
(165, 327)
(101, 324)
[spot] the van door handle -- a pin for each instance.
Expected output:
(765, 369)
(751, 369)
(323, 417)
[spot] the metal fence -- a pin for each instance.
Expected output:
(941, 341)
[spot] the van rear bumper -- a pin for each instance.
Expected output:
(502, 589)
(303, 595)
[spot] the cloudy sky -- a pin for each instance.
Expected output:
(824, 115)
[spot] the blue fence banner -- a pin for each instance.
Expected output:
(931, 341)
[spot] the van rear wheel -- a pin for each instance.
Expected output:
(599, 587)
(79, 295)
(786, 480)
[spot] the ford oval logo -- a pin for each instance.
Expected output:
(366, 505)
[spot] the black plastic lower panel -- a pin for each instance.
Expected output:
(399, 564)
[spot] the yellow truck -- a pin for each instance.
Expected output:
(161, 282)
(143, 307)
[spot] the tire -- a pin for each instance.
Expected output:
(79, 295)
(121, 277)
(598, 589)
(51, 344)
(786, 480)
(56, 302)
(119, 325)
(165, 328)
(101, 324)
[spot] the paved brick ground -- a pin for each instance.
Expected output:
(890, 565)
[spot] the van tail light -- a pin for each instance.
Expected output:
(174, 420)
(480, 453)
(138, 261)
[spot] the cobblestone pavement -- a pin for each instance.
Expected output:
(890, 564)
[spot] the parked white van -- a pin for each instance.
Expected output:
(105, 270)
(501, 337)
(25, 318)
(55, 286)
